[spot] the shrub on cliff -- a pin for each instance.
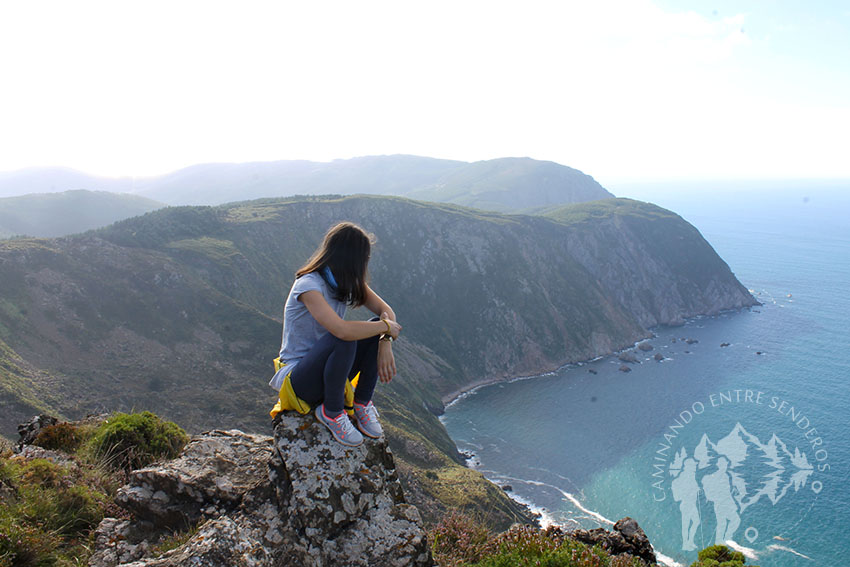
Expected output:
(720, 556)
(62, 436)
(458, 539)
(461, 541)
(132, 441)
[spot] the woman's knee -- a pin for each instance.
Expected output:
(341, 346)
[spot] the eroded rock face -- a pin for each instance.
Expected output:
(299, 498)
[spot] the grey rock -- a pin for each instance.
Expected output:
(215, 469)
(628, 356)
(645, 347)
(627, 537)
(625, 368)
(346, 501)
(35, 452)
(658, 356)
(299, 498)
(120, 541)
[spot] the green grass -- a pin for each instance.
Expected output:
(54, 509)
(605, 208)
(213, 248)
(173, 540)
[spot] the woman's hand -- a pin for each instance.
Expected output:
(395, 328)
(386, 361)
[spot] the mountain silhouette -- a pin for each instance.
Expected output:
(756, 469)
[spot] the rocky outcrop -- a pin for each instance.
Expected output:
(210, 478)
(29, 431)
(627, 537)
(347, 505)
(628, 356)
(299, 498)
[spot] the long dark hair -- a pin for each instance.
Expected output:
(345, 251)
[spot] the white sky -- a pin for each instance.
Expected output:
(623, 90)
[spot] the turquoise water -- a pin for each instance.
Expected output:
(768, 432)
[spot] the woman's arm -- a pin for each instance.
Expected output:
(377, 305)
(339, 327)
(386, 360)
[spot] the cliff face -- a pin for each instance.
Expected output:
(178, 311)
(655, 264)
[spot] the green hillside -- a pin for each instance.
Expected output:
(69, 212)
(513, 185)
(178, 311)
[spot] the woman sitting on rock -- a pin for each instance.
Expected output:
(321, 351)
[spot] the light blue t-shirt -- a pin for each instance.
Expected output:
(300, 328)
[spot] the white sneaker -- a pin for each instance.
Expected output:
(341, 427)
(366, 419)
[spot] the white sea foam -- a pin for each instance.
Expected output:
(748, 552)
(567, 496)
(789, 550)
(471, 391)
(664, 560)
(546, 518)
(523, 378)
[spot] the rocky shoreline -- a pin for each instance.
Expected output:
(456, 395)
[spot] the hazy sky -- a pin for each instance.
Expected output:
(623, 90)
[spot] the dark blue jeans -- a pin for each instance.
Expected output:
(320, 376)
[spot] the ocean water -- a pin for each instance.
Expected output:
(747, 443)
